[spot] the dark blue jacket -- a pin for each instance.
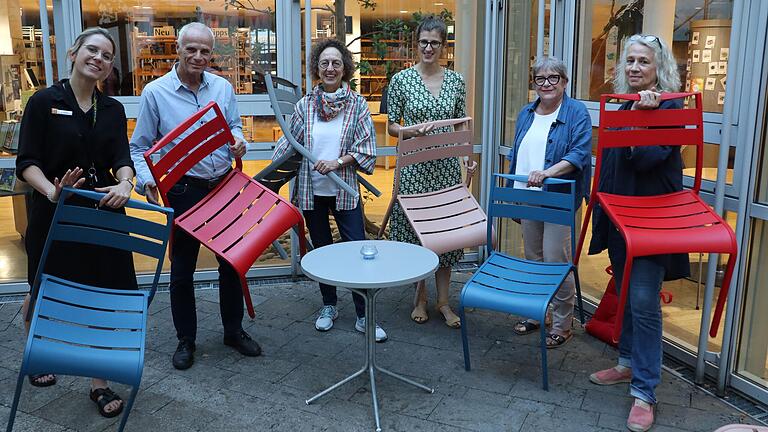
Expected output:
(651, 170)
(570, 139)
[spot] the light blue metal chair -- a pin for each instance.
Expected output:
(93, 331)
(515, 285)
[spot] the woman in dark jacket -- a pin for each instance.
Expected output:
(646, 67)
(72, 135)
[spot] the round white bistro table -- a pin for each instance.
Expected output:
(343, 265)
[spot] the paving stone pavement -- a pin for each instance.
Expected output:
(224, 391)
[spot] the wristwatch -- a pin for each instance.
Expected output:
(340, 161)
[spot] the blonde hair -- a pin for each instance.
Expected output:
(80, 40)
(667, 76)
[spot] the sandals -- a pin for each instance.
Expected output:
(555, 340)
(35, 380)
(525, 327)
(103, 397)
(453, 322)
(419, 314)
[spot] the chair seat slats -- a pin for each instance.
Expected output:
(650, 137)
(653, 118)
(91, 317)
(111, 365)
(662, 212)
(657, 201)
(205, 209)
(523, 265)
(91, 297)
(530, 287)
(88, 336)
(448, 223)
(433, 199)
(422, 213)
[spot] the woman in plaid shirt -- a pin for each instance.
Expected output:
(334, 123)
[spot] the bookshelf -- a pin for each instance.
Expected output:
(155, 55)
(399, 54)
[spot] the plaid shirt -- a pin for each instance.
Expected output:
(358, 139)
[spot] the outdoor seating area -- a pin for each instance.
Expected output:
(225, 391)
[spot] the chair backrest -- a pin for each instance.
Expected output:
(283, 101)
(506, 201)
(192, 146)
(89, 225)
(452, 143)
(668, 127)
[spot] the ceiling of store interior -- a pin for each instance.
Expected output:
(384, 8)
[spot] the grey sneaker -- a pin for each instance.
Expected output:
(381, 335)
(325, 320)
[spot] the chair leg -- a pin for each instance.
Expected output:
(624, 292)
(247, 296)
(464, 340)
(128, 407)
(16, 397)
(723, 296)
(544, 372)
(578, 295)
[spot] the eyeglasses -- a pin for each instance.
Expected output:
(541, 80)
(434, 44)
(651, 39)
(105, 56)
(325, 64)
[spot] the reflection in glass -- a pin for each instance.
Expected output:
(753, 343)
(145, 32)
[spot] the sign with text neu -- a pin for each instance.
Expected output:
(164, 31)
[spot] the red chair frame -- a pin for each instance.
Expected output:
(678, 222)
(240, 217)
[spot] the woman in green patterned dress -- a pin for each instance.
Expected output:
(423, 93)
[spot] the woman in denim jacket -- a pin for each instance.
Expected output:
(553, 138)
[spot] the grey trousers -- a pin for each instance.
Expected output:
(552, 243)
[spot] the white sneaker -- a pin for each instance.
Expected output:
(381, 335)
(325, 320)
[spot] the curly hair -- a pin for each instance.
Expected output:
(668, 78)
(346, 57)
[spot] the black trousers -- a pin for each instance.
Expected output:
(182, 196)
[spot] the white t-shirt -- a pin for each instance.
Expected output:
(533, 147)
(326, 145)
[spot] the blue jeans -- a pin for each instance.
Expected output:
(182, 197)
(351, 227)
(640, 345)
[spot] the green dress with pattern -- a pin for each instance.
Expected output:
(410, 102)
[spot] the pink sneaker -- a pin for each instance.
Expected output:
(612, 376)
(640, 416)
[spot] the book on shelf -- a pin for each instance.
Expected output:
(9, 135)
(7, 179)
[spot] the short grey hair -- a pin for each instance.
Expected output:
(553, 64)
(195, 25)
(668, 78)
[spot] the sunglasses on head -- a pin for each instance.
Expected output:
(651, 39)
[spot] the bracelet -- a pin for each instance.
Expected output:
(129, 180)
(50, 195)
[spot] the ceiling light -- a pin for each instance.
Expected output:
(403, 11)
(439, 4)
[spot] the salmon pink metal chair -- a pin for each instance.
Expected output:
(678, 222)
(239, 218)
(447, 219)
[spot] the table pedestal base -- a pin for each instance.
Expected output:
(370, 365)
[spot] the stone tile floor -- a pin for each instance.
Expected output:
(224, 391)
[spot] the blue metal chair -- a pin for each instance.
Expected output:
(93, 331)
(515, 285)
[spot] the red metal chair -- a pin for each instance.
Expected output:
(239, 218)
(678, 222)
(449, 218)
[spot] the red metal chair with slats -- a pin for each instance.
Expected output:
(678, 222)
(239, 218)
(447, 219)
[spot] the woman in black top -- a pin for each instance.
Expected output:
(648, 68)
(72, 135)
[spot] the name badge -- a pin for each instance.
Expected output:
(60, 112)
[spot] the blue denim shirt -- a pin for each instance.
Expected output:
(569, 138)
